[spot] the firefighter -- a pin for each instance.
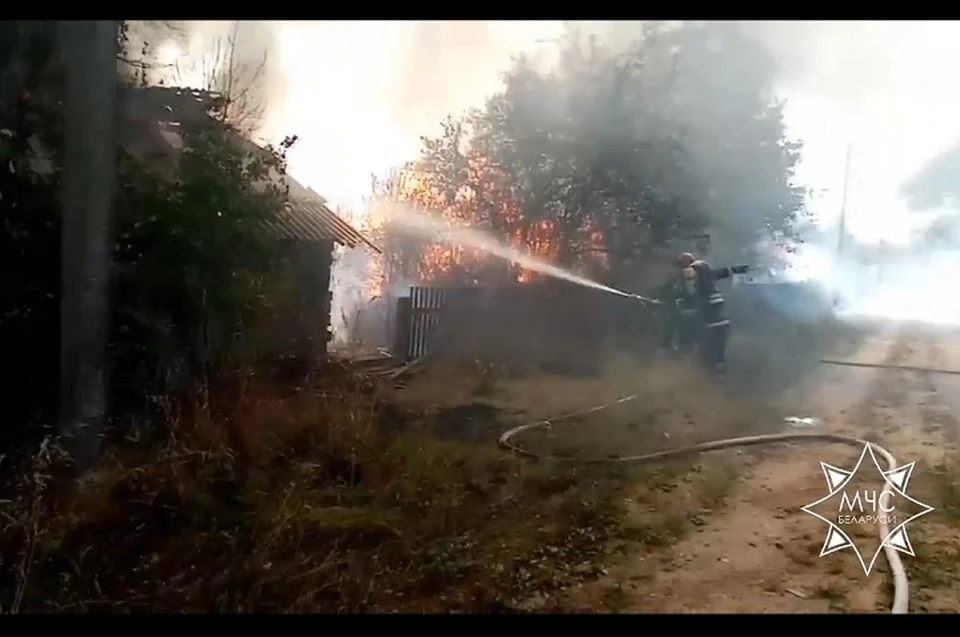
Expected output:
(680, 311)
(668, 313)
(711, 322)
(687, 301)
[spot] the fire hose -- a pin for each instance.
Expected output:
(900, 584)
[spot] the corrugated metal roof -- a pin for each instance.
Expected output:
(308, 218)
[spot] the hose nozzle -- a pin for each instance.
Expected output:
(645, 300)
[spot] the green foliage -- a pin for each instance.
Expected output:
(195, 256)
(30, 135)
(675, 134)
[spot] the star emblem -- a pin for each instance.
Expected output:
(895, 482)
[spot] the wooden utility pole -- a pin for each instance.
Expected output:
(88, 190)
(843, 207)
(884, 255)
(842, 230)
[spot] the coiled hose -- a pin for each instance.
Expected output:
(900, 584)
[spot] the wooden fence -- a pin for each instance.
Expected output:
(419, 316)
(549, 324)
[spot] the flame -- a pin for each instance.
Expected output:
(486, 199)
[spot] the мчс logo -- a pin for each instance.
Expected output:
(851, 505)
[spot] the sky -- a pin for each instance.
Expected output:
(886, 88)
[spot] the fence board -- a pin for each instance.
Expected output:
(426, 304)
(423, 313)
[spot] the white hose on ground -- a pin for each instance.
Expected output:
(900, 583)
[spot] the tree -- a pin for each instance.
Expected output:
(231, 62)
(195, 260)
(735, 135)
(239, 80)
(185, 248)
(31, 135)
(613, 151)
(138, 53)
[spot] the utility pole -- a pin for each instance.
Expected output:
(88, 189)
(842, 230)
(884, 252)
(843, 207)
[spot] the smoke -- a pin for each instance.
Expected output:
(910, 290)
(881, 88)
(361, 94)
(407, 218)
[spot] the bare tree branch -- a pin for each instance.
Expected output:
(239, 84)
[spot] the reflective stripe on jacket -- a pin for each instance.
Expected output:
(711, 299)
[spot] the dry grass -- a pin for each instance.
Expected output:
(340, 497)
(675, 405)
(659, 504)
(307, 501)
(936, 537)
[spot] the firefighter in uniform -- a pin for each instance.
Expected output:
(668, 313)
(680, 312)
(687, 301)
(710, 323)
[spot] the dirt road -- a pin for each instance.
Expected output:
(760, 553)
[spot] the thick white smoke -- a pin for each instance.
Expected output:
(880, 89)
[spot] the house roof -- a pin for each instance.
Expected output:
(307, 217)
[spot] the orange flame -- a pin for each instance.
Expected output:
(487, 199)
